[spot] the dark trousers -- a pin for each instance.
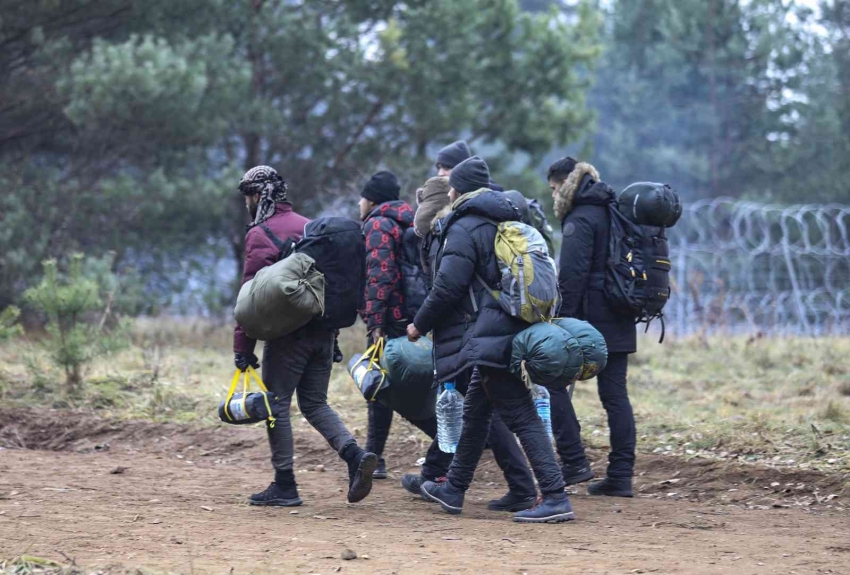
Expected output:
(380, 415)
(611, 383)
(491, 389)
(300, 363)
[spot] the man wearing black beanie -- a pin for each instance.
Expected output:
(473, 338)
(385, 219)
(470, 175)
(451, 156)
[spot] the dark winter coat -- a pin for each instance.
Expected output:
(383, 229)
(582, 202)
(260, 252)
(463, 338)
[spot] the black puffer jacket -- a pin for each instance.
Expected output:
(586, 229)
(462, 338)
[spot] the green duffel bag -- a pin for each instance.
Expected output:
(281, 298)
(410, 368)
(546, 355)
(594, 350)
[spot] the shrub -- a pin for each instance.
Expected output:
(8, 323)
(76, 319)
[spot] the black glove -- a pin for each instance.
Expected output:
(243, 361)
(338, 357)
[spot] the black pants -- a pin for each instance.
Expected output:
(380, 415)
(509, 456)
(491, 389)
(611, 383)
(301, 363)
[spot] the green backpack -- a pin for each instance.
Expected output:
(529, 284)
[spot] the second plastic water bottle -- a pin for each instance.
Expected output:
(449, 418)
(544, 407)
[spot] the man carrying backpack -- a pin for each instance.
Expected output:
(582, 206)
(297, 363)
(385, 220)
(471, 330)
(432, 205)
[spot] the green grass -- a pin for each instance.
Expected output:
(782, 401)
(779, 401)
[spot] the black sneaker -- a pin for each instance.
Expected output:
(553, 508)
(360, 470)
(380, 471)
(612, 487)
(449, 498)
(513, 503)
(412, 483)
(278, 496)
(573, 475)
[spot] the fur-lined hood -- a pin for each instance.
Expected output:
(566, 192)
(440, 215)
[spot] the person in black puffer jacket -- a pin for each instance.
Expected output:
(433, 205)
(581, 204)
(471, 332)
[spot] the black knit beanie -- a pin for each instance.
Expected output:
(470, 175)
(381, 188)
(453, 154)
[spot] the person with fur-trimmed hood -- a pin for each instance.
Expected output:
(582, 206)
(471, 332)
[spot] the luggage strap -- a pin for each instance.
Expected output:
(246, 385)
(284, 248)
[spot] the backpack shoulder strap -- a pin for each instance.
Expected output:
(285, 248)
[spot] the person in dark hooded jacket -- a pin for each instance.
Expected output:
(471, 331)
(433, 205)
(385, 218)
(581, 204)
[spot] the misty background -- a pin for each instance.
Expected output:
(125, 126)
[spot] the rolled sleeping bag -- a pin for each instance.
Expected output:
(243, 408)
(650, 204)
(547, 355)
(410, 368)
(593, 347)
(281, 298)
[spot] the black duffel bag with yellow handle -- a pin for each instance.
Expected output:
(240, 408)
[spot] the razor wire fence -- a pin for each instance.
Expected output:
(745, 266)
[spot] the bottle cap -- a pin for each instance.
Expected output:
(449, 386)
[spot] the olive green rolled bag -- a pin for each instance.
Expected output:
(281, 298)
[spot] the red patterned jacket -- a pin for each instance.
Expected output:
(383, 229)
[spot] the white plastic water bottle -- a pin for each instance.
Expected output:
(544, 407)
(449, 418)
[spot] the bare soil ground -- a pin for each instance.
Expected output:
(126, 495)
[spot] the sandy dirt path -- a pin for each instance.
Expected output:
(179, 506)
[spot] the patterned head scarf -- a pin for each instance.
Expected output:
(265, 181)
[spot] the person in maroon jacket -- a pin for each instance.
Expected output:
(385, 218)
(299, 363)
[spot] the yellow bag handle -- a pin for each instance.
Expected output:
(246, 385)
(373, 353)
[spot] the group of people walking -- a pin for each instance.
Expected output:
(453, 227)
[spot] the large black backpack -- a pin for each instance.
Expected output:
(339, 249)
(637, 271)
(413, 277)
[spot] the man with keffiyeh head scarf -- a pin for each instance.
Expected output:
(299, 363)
